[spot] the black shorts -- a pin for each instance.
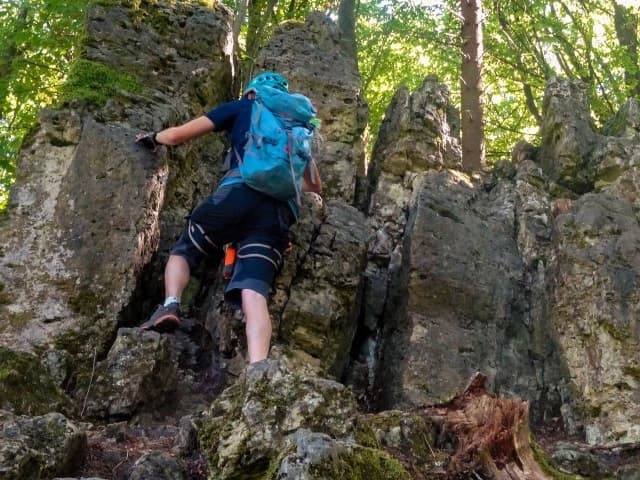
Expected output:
(256, 223)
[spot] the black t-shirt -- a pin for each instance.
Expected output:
(235, 119)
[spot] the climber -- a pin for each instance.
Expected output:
(256, 222)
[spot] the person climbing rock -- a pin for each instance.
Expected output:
(257, 223)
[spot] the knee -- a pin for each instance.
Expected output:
(252, 299)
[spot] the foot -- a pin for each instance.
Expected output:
(164, 319)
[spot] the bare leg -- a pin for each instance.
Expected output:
(258, 327)
(176, 276)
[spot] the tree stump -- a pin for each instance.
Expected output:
(491, 434)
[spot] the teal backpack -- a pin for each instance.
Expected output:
(279, 143)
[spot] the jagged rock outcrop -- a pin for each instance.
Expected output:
(419, 131)
(539, 291)
(415, 123)
(90, 208)
(106, 184)
(567, 135)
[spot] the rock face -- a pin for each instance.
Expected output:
(449, 294)
(403, 283)
(537, 292)
(317, 296)
(319, 318)
(85, 214)
(596, 300)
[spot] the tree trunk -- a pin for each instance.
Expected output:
(471, 89)
(240, 14)
(347, 26)
(260, 13)
(626, 23)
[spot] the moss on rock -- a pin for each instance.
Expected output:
(621, 334)
(15, 320)
(547, 466)
(360, 463)
(25, 386)
(247, 427)
(85, 302)
(632, 371)
(95, 83)
(4, 298)
(91, 339)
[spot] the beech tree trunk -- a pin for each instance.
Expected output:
(471, 89)
(347, 26)
(238, 20)
(260, 14)
(626, 23)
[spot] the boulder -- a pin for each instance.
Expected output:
(247, 427)
(157, 466)
(139, 370)
(41, 447)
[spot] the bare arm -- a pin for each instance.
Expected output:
(177, 135)
(311, 181)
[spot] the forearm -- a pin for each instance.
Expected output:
(170, 136)
(177, 135)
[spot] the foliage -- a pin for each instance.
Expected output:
(36, 44)
(261, 19)
(399, 44)
(526, 43)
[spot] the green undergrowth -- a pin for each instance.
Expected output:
(95, 83)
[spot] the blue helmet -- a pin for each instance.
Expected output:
(269, 79)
